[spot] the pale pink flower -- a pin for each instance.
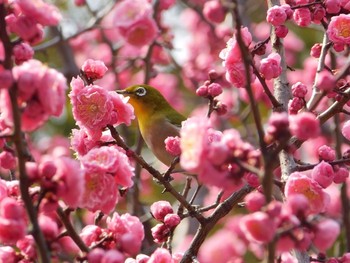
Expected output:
(214, 11)
(22, 52)
(127, 12)
(172, 145)
(276, 15)
(304, 125)
(160, 209)
(71, 180)
(97, 187)
(111, 160)
(94, 69)
(323, 174)
(299, 183)
(8, 254)
(338, 29)
(254, 227)
(326, 234)
(302, 17)
(25, 27)
(128, 232)
(140, 33)
(270, 67)
(346, 130)
(193, 136)
(41, 12)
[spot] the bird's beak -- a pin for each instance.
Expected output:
(122, 92)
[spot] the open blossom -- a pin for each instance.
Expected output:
(172, 145)
(41, 12)
(299, 183)
(233, 62)
(302, 17)
(338, 29)
(254, 227)
(94, 69)
(94, 108)
(111, 160)
(270, 67)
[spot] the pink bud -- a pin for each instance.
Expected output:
(326, 233)
(332, 6)
(94, 69)
(6, 79)
(254, 201)
(96, 255)
(270, 66)
(22, 52)
(326, 153)
(48, 226)
(318, 14)
(276, 15)
(302, 17)
(202, 91)
(172, 220)
(214, 89)
(32, 170)
(316, 50)
(47, 169)
(221, 108)
(338, 47)
(326, 81)
(160, 233)
(214, 11)
(304, 125)
(295, 105)
(11, 209)
(281, 31)
(299, 90)
(160, 209)
(323, 174)
(254, 227)
(298, 204)
(79, 2)
(340, 175)
(7, 160)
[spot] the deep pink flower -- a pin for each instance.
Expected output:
(79, 2)
(276, 15)
(94, 69)
(332, 6)
(22, 52)
(159, 256)
(160, 209)
(318, 14)
(172, 220)
(254, 227)
(49, 227)
(41, 12)
(299, 183)
(254, 201)
(27, 246)
(128, 12)
(214, 11)
(326, 81)
(97, 187)
(338, 29)
(299, 90)
(214, 89)
(302, 17)
(295, 104)
(346, 130)
(281, 31)
(340, 175)
(6, 79)
(8, 254)
(270, 66)
(113, 256)
(323, 174)
(326, 153)
(304, 125)
(326, 233)
(345, 4)
(160, 233)
(7, 160)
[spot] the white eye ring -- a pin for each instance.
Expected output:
(141, 91)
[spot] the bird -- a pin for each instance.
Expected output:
(157, 119)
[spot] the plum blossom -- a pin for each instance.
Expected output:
(214, 11)
(254, 226)
(304, 125)
(270, 66)
(338, 29)
(94, 69)
(276, 15)
(94, 108)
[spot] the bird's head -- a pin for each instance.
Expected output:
(145, 99)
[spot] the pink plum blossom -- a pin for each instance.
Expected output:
(94, 69)
(172, 145)
(6, 79)
(326, 233)
(41, 12)
(346, 130)
(299, 183)
(160, 233)
(323, 174)
(22, 52)
(338, 29)
(304, 125)
(7, 254)
(254, 227)
(172, 220)
(160, 255)
(299, 90)
(214, 11)
(276, 15)
(281, 31)
(326, 153)
(128, 11)
(160, 209)
(94, 108)
(7, 160)
(326, 81)
(254, 201)
(270, 66)
(302, 17)
(340, 175)
(316, 50)
(332, 6)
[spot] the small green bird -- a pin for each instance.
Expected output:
(157, 119)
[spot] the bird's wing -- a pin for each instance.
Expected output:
(175, 118)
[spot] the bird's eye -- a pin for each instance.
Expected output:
(141, 91)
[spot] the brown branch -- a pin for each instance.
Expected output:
(22, 155)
